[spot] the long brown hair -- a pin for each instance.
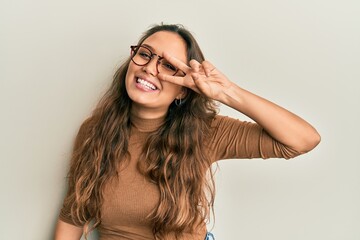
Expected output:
(175, 155)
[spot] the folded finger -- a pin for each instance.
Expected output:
(195, 65)
(195, 76)
(208, 67)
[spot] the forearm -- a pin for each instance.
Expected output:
(281, 124)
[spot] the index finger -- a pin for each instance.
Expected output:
(176, 62)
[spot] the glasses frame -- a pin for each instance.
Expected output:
(134, 50)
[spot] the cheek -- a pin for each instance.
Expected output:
(130, 69)
(171, 87)
(130, 73)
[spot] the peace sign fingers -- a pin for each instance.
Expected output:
(186, 80)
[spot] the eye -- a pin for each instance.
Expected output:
(168, 66)
(144, 54)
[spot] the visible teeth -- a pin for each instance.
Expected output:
(146, 84)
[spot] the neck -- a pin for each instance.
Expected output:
(147, 113)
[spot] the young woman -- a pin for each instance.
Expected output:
(141, 163)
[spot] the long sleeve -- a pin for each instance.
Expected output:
(232, 138)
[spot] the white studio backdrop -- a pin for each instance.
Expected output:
(58, 57)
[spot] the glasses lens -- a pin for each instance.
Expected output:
(142, 56)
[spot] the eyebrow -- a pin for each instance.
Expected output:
(151, 49)
(148, 46)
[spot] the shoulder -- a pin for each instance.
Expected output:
(84, 132)
(222, 126)
(221, 120)
(218, 119)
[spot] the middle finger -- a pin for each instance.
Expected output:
(177, 63)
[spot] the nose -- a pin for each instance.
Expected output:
(151, 67)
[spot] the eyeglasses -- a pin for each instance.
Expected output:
(142, 55)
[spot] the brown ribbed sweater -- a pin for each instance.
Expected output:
(129, 199)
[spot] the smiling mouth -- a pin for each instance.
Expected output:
(145, 84)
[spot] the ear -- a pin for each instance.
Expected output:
(182, 94)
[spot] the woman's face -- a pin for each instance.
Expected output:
(152, 97)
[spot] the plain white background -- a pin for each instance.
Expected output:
(58, 57)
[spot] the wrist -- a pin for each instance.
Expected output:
(232, 96)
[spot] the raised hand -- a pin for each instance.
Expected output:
(283, 125)
(203, 77)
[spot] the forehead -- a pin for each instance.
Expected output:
(169, 42)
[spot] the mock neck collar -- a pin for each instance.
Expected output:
(146, 125)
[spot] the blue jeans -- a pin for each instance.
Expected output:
(209, 236)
